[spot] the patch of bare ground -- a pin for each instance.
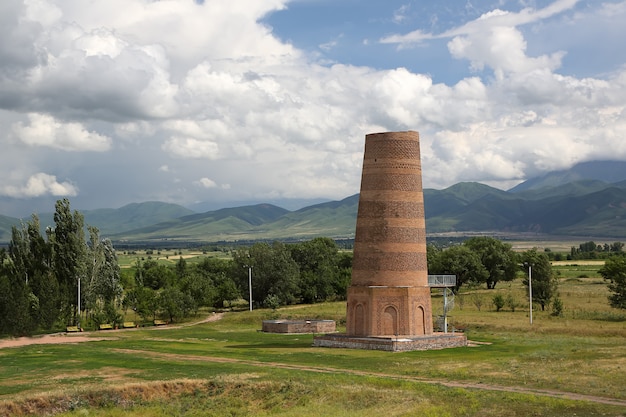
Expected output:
(59, 338)
(119, 396)
(50, 339)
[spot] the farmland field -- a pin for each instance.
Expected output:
(569, 365)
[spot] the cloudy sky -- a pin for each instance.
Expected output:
(109, 102)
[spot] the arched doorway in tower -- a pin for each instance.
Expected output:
(390, 321)
(419, 321)
(359, 321)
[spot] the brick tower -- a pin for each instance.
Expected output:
(389, 293)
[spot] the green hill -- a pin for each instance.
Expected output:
(261, 221)
(6, 224)
(581, 208)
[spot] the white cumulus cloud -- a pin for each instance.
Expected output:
(206, 183)
(45, 130)
(191, 148)
(38, 185)
(208, 95)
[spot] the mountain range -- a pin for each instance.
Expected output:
(586, 200)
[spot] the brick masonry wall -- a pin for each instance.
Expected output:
(389, 293)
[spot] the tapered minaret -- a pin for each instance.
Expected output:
(389, 293)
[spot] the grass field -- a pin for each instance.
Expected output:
(128, 259)
(558, 366)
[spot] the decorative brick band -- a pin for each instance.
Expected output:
(392, 209)
(390, 261)
(383, 233)
(391, 182)
(392, 149)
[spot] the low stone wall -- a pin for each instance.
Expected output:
(299, 326)
(392, 344)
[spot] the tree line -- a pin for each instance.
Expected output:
(70, 276)
(487, 260)
(40, 277)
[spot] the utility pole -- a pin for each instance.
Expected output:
(249, 283)
(530, 291)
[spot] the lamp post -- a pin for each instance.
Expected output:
(249, 283)
(78, 320)
(530, 291)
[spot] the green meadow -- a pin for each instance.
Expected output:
(557, 366)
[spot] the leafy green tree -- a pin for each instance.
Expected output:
(19, 252)
(274, 272)
(103, 280)
(199, 287)
(588, 246)
(43, 284)
(15, 302)
(458, 260)
(432, 255)
(544, 281)
(344, 275)
(227, 292)
(175, 304)
(181, 267)
(156, 276)
(214, 274)
(317, 260)
(45, 290)
(214, 266)
(143, 301)
(614, 271)
(68, 240)
(498, 258)
(30, 257)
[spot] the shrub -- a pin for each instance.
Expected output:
(557, 307)
(477, 300)
(498, 301)
(511, 302)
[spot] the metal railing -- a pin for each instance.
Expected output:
(441, 281)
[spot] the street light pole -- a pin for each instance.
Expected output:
(78, 319)
(530, 291)
(249, 283)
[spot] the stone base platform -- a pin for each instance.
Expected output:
(299, 326)
(392, 344)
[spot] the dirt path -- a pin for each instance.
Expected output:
(59, 338)
(50, 339)
(82, 337)
(452, 384)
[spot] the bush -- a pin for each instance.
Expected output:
(557, 307)
(272, 301)
(511, 302)
(498, 301)
(477, 300)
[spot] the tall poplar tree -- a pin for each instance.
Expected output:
(69, 256)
